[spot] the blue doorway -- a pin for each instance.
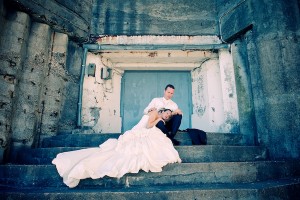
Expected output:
(139, 87)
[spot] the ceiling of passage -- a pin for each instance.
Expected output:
(157, 60)
(156, 52)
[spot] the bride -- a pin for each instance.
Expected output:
(144, 147)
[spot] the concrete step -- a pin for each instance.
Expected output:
(188, 154)
(89, 140)
(172, 174)
(273, 189)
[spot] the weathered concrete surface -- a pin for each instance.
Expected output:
(234, 17)
(244, 93)
(273, 54)
(231, 123)
(71, 17)
(67, 120)
(277, 99)
(101, 99)
(268, 30)
(181, 173)
(284, 189)
(159, 17)
(89, 139)
(217, 92)
(207, 97)
(188, 154)
(13, 42)
(2, 14)
(27, 111)
(54, 85)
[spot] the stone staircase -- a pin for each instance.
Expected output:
(225, 168)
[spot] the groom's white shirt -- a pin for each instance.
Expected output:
(160, 103)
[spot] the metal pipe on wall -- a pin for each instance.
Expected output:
(79, 107)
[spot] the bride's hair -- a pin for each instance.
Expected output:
(165, 110)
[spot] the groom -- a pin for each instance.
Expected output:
(171, 127)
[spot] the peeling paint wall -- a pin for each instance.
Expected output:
(101, 99)
(207, 97)
(229, 92)
(214, 96)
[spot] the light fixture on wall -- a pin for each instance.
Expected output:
(91, 69)
(105, 73)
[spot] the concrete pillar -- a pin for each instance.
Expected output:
(273, 55)
(54, 86)
(275, 83)
(26, 111)
(68, 116)
(2, 14)
(244, 92)
(231, 121)
(13, 42)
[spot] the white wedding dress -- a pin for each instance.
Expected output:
(137, 149)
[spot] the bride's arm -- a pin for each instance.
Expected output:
(153, 119)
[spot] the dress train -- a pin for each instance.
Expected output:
(137, 149)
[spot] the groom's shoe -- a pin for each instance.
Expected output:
(175, 142)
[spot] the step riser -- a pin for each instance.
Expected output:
(90, 140)
(188, 154)
(173, 174)
(282, 192)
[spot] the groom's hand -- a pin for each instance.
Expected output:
(151, 109)
(177, 112)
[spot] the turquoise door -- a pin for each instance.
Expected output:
(139, 87)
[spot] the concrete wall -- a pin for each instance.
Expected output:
(214, 96)
(154, 17)
(272, 52)
(71, 17)
(2, 14)
(13, 42)
(39, 82)
(68, 113)
(265, 53)
(208, 105)
(101, 99)
(26, 105)
(213, 86)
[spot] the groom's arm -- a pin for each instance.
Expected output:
(150, 107)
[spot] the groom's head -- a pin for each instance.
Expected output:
(169, 91)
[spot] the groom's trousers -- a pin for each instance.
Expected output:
(171, 127)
